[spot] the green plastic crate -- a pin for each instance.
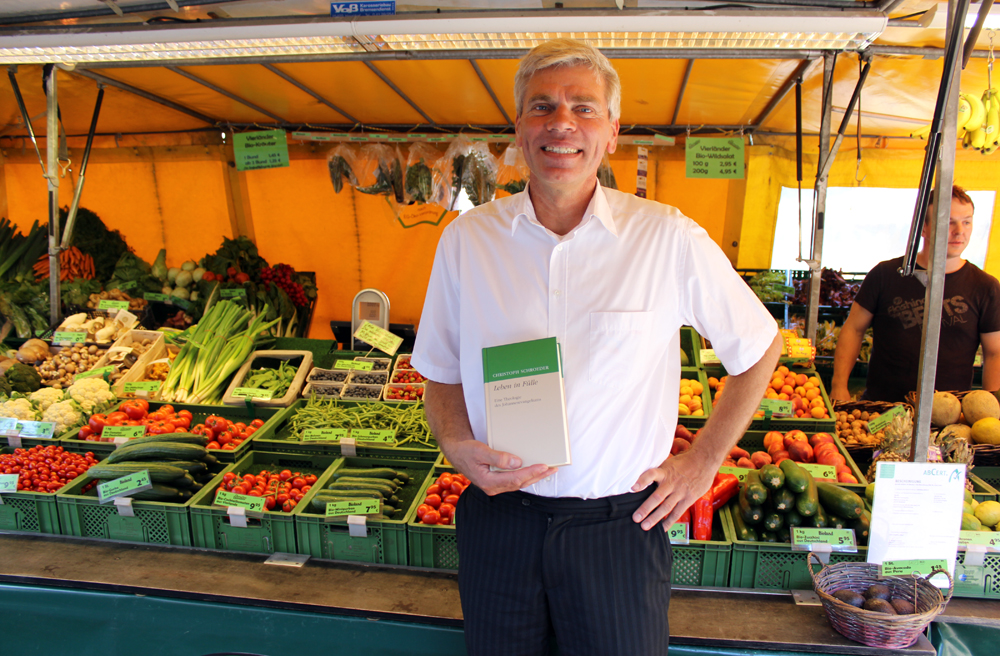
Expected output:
(754, 441)
(795, 423)
(155, 522)
(981, 490)
(199, 413)
(989, 475)
(432, 545)
(691, 345)
(691, 421)
(273, 532)
(276, 436)
(774, 565)
(386, 542)
(979, 584)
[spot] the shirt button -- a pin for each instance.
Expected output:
(559, 248)
(556, 292)
(548, 478)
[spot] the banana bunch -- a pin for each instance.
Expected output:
(980, 120)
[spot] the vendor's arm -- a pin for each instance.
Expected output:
(681, 479)
(449, 422)
(991, 360)
(849, 342)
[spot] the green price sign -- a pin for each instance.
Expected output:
(324, 434)
(739, 472)
(708, 356)
(373, 436)
(98, 372)
(8, 483)
(112, 305)
(908, 567)
(142, 386)
(60, 337)
(777, 408)
(232, 293)
(678, 533)
(130, 432)
(232, 499)
(353, 507)
(820, 471)
(162, 298)
(8, 426)
(353, 364)
(839, 539)
(380, 338)
(984, 538)
(253, 393)
(714, 157)
(260, 150)
(37, 429)
(124, 486)
(883, 420)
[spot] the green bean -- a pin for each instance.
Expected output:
(408, 421)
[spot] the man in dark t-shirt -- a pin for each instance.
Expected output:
(893, 306)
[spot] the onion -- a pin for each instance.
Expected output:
(5, 364)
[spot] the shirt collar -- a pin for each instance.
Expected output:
(597, 208)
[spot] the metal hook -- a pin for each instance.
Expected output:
(64, 169)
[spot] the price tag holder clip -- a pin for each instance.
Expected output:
(348, 447)
(357, 526)
(124, 506)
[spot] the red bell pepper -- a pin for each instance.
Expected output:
(724, 488)
(701, 516)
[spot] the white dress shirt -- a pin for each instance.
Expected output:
(614, 291)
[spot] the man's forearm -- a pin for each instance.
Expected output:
(845, 357)
(447, 415)
(991, 372)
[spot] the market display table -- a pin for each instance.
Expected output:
(92, 596)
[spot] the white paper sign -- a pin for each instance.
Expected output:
(917, 513)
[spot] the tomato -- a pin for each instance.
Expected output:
(457, 488)
(231, 272)
(445, 481)
(181, 422)
(84, 433)
(229, 447)
(216, 423)
(446, 510)
(431, 517)
(433, 500)
(224, 439)
(119, 417)
(239, 426)
(98, 422)
(298, 483)
(239, 489)
(158, 415)
(310, 479)
(213, 445)
(133, 409)
(434, 489)
(269, 502)
(282, 498)
(451, 498)
(185, 413)
(255, 493)
(257, 423)
(249, 430)
(228, 476)
(167, 408)
(285, 475)
(160, 428)
(445, 521)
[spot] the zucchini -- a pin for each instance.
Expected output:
(756, 492)
(773, 522)
(157, 473)
(772, 477)
(768, 536)
(793, 518)
(358, 479)
(840, 501)
(820, 519)
(157, 451)
(833, 521)
(372, 472)
(750, 513)
(158, 493)
(784, 536)
(180, 438)
(795, 476)
(190, 466)
(783, 499)
(807, 502)
(743, 532)
(862, 527)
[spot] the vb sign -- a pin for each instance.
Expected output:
(379, 8)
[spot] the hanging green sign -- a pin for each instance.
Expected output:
(714, 157)
(260, 150)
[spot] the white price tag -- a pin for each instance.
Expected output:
(124, 506)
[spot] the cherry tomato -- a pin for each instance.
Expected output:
(282, 498)
(451, 499)
(255, 493)
(239, 489)
(431, 517)
(446, 510)
(422, 510)
(434, 489)
(457, 488)
(269, 502)
(433, 500)
(285, 475)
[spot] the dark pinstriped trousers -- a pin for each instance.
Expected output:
(580, 570)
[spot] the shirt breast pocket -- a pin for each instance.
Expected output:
(617, 342)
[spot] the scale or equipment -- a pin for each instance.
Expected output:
(369, 305)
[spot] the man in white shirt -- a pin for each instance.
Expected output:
(569, 551)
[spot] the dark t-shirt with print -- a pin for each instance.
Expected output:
(971, 307)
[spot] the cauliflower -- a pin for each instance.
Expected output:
(64, 414)
(46, 397)
(20, 409)
(90, 392)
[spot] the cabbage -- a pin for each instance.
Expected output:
(172, 273)
(184, 278)
(180, 292)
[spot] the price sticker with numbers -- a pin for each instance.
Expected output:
(739, 472)
(921, 567)
(831, 539)
(678, 533)
(62, 338)
(380, 338)
(324, 434)
(990, 540)
(253, 393)
(374, 436)
(8, 427)
(777, 408)
(360, 365)
(236, 500)
(353, 507)
(124, 486)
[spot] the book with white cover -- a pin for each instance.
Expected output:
(526, 402)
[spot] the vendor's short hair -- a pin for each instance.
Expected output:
(569, 52)
(957, 193)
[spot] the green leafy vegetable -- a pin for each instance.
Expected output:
(92, 237)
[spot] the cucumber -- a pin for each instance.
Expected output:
(157, 451)
(340, 485)
(756, 492)
(768, 536)
(158, 493)
(820, 520)
(373, 472)
(180, 438)
(190, 466)
(793, 518)
(784, 500)
(772, 477)
(750, 513)
(353, 494)
(157, 473)
(210, 460)
(185, 482)
(743, 532)
(358, 479)
(807, 502)
(795, 476)
(773, 521)
(840, 501)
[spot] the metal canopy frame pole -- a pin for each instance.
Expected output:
(52, 175)
(819, 198)
(71, 215)
(938, 246)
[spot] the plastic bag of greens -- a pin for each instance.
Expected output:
(605, 174)
(512, 170)
(423, 182)
(473, 168)
(379, 171)
(340, 161)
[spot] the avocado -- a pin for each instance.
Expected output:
(850, 597)
(903, 607)
(878, 591)
(879, 606)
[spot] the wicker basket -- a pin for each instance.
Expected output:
(986, 455)
(862, 453)
(871, 628)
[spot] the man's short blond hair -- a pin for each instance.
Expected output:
(957, 193)
(568, 52)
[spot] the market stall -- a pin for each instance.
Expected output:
(232, 401)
